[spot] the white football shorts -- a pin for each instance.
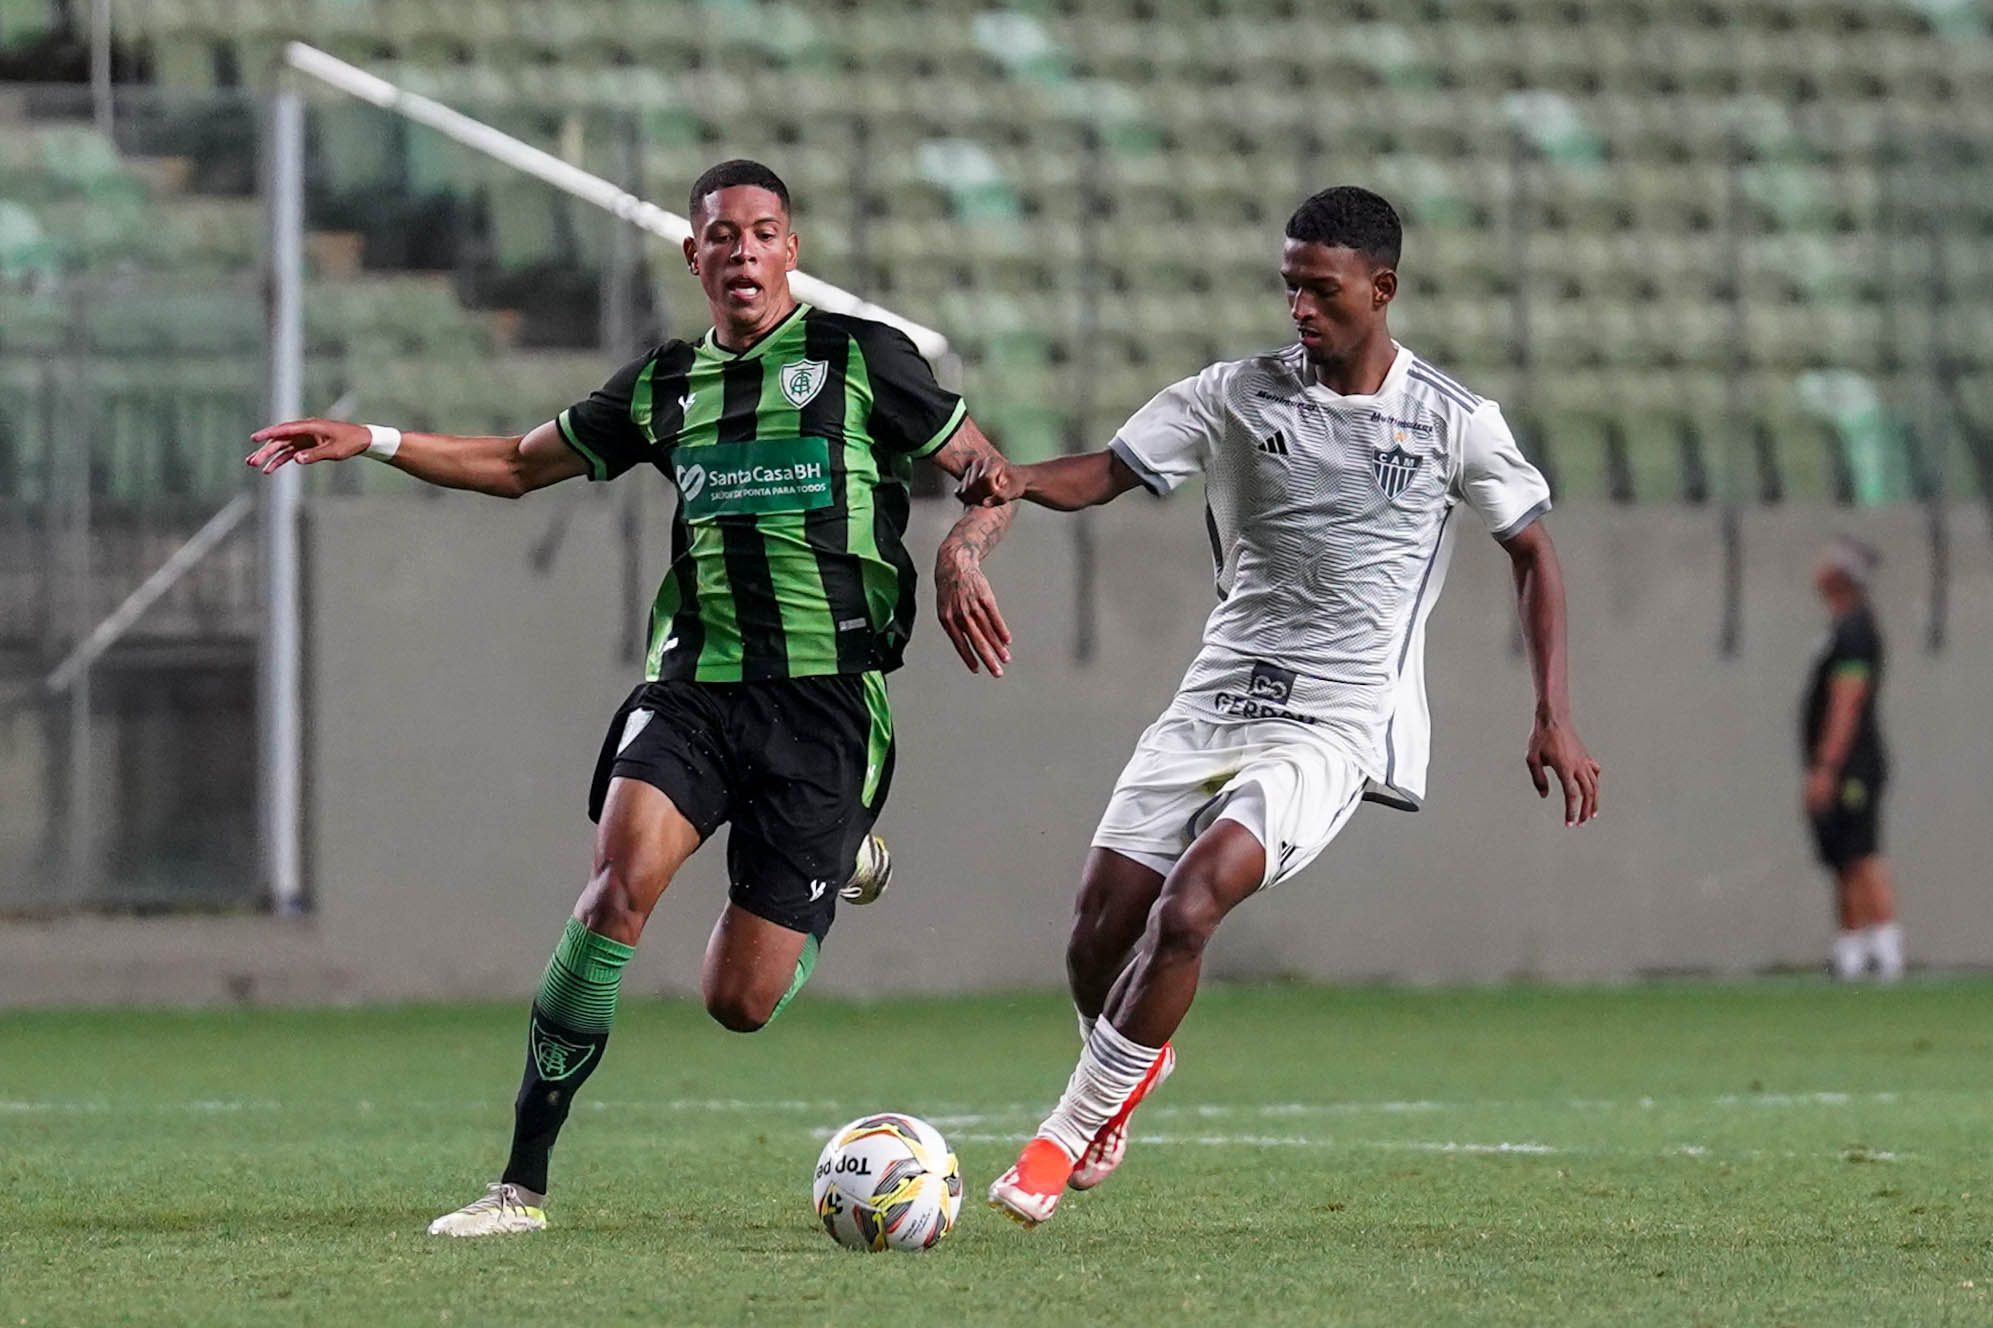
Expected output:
(1288, 785)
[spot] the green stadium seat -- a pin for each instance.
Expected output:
(26, 252)
(996, 133)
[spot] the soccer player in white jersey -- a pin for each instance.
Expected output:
(1333, 473)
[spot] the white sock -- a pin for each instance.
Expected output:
(1885, 943)
(1850, 955)
(1109, 1071)
(1087, 1021)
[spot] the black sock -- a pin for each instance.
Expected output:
(558, 1061)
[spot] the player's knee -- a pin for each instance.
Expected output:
(739, 1012)
(1185, 919)
(1094, 933)
(609, 907)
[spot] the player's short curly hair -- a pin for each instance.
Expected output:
(1347, 217)
(739, 171)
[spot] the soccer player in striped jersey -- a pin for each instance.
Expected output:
(1333, 469)
(789, 433)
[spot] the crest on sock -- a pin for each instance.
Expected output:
(556, 1058)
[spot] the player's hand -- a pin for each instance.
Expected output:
(990, 481)
(1818, 794)
(1553, 747)
(968, 611)
(306, 441)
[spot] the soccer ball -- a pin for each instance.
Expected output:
(887, 1182)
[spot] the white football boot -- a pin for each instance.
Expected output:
(872, 874)
(505, 1210)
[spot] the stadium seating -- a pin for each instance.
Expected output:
(1085, 196)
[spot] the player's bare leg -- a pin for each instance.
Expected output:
(1222, 868)
(1109, 917)
(1112, 912)
(640, 843)
(752, 968)
(1869, 882)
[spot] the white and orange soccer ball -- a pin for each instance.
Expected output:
(887, 1182)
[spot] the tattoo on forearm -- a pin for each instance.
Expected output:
(980, 530)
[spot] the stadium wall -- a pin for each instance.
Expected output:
(459, 695)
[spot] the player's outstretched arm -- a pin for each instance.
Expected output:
(1554, 745)
(1064, 484)
(502, 467)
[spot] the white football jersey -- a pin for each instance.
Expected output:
(1331, 522)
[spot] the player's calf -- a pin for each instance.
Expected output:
(753, 968)
(1115, 896)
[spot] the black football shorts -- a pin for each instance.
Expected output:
(1851, 829)
(798, 766)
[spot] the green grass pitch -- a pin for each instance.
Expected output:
(1773, 1153)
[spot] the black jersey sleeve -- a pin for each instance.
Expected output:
(602, 426)
(1857, 648)
(912, 414)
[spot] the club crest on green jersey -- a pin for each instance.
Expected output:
(802, 380)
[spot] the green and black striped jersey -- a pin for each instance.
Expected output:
(792, 461)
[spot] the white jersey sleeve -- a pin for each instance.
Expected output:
(1170, 439)
(1495, 479)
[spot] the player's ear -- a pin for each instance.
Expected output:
(1383, 287)
(691, 256)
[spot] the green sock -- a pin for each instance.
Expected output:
(805, 965)
(578, 990)
(569, 1027)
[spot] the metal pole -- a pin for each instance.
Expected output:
(1730, 635)
(1520, 358)
(80, 868)
(619, 333)
(1085, 365)
(100, 65)
(281, 663)
(1933, 458)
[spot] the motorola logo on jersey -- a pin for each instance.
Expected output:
(1395, 470)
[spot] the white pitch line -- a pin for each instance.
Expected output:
(1297, 1141)
(960, 1125)
(1504, 1147)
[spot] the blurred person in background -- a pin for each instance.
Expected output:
(1847, 767)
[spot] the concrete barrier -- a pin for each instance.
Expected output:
(459, 696)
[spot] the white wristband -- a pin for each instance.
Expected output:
(383, 442)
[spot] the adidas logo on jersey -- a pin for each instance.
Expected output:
(1274, 444)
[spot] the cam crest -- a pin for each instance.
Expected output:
(802, 380)
(1395, 470)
